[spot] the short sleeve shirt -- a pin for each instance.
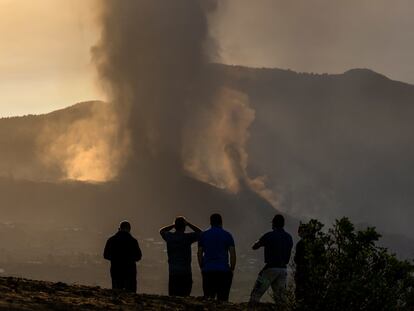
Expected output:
(179, 250)
(277, 248)
(216, 243)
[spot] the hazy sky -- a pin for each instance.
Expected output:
(45, 44)
(44, 55)
(320, 35)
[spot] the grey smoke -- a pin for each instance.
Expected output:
(154, 60)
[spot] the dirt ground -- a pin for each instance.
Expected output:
(22, 294)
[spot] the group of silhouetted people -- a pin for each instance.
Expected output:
(216, 258)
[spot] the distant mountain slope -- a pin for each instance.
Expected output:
(21, 144)
(333, 145)
(330, 145)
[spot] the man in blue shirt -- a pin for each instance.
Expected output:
(277, 250)
(214, 248)
(179, 255)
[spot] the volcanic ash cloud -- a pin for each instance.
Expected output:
(153, 59)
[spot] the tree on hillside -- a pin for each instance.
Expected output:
(346, 270)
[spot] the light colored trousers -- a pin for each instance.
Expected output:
(271, 277)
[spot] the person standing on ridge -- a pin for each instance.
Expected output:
(277, 250)
(214, 248)
(310, 262)
(123, 251)
(302, 265)
(179, 255)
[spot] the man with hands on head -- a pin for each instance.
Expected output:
(179, 255)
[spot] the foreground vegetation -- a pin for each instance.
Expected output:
(347, 270)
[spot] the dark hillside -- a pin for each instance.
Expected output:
(330, 145)
(333, 145)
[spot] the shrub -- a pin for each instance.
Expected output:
(344, 269)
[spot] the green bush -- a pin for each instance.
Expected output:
(344, 269)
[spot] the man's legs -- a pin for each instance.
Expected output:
(116, 278)
(130, 283)
(279, 284)
(187, 285)
(180, 285)
(274, 277)
(124, 278)
(299, 285)
(260, 287)
(127, 283)
(224, 281)
(116, 283)
(209, 284)
(172, 285)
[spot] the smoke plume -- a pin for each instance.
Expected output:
(91, 148)
(153, 58)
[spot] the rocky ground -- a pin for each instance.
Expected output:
(21, 294)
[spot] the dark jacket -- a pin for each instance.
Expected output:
(300, 254)
(123, 251)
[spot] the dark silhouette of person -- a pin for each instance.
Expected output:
(214, 248)
(179, 243)
(301, 263)
(122, 249)
(309, 260)
(277, 251)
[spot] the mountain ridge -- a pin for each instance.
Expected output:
(365, 72)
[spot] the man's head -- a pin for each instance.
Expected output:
(309, 230)
(180, 224)
(216, 220)
(278, 222)
(125, 226)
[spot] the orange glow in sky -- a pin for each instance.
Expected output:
(45, 61)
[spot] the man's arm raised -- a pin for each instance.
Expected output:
(166, 229)
(193, 227)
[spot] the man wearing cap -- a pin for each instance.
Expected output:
(179, 255)
(123, 251)
(277, 250)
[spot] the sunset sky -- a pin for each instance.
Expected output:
(45, 61)
(45, 55)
